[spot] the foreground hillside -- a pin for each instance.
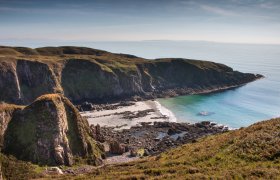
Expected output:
(248, 153)
(84, 74)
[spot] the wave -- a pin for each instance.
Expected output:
(165, 112)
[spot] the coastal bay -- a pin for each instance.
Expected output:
(238, 107)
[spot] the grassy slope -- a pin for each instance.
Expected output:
(108, 61)
(14, 169)
(252, 152)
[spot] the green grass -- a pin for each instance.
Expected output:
(14, 169)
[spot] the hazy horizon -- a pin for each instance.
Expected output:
(223, 21)
(90, 44)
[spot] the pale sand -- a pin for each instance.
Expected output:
(108, 118)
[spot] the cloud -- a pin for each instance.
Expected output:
(269, 5)
(40, 10)
(239, 12)
(219, 11)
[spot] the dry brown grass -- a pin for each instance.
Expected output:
(9, 107)
(249, 153)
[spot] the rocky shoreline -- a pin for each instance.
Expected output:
(130, 130)
(153, 138)
(148, 139)
(151, 134)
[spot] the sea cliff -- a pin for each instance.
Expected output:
(85, 74)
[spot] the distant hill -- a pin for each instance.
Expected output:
(85, 74)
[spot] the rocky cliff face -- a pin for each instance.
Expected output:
(22, 81)
(50, 131)
(35, 79)
(85, 74)
(196, 75)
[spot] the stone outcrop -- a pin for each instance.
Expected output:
(50, 131)
(84, 74)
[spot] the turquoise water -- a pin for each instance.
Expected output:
(235, 108)
(242, 106)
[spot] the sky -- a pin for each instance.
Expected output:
(237, 21)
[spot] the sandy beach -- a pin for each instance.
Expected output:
(125, 117)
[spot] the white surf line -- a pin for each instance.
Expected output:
(165, 112)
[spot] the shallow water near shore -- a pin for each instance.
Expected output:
(235, 108)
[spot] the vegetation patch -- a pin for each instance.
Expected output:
(223, 156)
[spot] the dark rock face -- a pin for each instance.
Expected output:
(50, 131)
(188, 76)
(103, 76)
(6, 114)
(22, 81)
(35, 79)
(9, 85)
(82, 79)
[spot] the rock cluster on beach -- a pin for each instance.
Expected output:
(155, 137)
(86, 106)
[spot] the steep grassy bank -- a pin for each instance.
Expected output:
(85, 74)
(248, 153)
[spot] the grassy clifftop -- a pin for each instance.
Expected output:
(85, 74)
(248, 153)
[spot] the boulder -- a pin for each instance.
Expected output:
(172, 131)
(54, 171)
(146, 152)
(86, 106)
(117, 148)
(133, 152)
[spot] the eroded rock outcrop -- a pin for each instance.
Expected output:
(50, 131)
(22, 81)
(35, 79)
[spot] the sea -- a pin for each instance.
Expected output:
(235, 108)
